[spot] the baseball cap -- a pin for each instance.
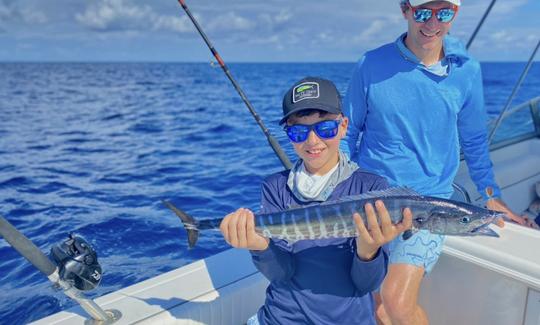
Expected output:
(416, 3)
(311, 93)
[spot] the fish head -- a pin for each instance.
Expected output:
(421, 221)
(471, 224)
(457, 222)
(482, 222)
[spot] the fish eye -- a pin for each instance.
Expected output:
(420, 219)
(465, 220)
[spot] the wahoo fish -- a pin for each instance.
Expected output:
(333, 219)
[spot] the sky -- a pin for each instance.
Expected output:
(242, 30)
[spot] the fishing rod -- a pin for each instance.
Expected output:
(76, 269)
(271, 140)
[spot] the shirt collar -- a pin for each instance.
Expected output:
(345, 169)
(409, 55)
(454, 52)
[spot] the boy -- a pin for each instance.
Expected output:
(325, 281)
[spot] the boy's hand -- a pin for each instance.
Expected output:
(238, 228)
(371, 239)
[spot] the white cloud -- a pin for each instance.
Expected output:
(13, 12)
(374, 29)
(32, 16)
(531, 39)
(502, 36)
(124, 15)
(120, 15)
(283, 16)
(337, 28)
(274, 22)
(5, 12)
(504, 7)
(115, 15)
(512, 39)
(172, 23)
(230, 22)
(273, 39)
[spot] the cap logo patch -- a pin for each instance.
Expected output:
(305, 90)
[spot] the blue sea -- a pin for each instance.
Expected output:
(93, 148)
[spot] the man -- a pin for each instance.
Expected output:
(415, 101)
(328, 280)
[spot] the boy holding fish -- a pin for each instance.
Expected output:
(328, 280)
(309, 239)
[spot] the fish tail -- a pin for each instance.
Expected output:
(190, 224)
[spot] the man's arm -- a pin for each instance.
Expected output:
(472, 120)
(355, 108)
(499, 205)
(472, 129)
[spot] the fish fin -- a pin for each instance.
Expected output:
(190, 224)
(485, 231)
(294, 206)
(393, 191)
(408, 233)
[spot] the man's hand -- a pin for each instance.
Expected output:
(238, 229)
(499, 205)
(371, 239)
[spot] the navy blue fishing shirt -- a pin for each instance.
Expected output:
(318, 281)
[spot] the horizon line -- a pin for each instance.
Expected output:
(233, 62)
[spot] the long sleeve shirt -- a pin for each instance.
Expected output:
(411, 122)
(318, 281)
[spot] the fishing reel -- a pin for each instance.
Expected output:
(77, 263)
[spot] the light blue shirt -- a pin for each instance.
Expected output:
(407, 123)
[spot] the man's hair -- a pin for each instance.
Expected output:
(404, 5)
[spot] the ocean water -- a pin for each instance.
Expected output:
(92, 149)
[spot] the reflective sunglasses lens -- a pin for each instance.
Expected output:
(446, 15)
(327, 129)
(297, 133)
(422, 15)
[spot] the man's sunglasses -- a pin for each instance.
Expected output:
(444, 15)
(325, 130)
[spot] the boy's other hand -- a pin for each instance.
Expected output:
(370, 239)
(238, 228)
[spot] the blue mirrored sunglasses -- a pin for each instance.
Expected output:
(444, 15)
(325, 130)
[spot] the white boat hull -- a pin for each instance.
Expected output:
(493, 281)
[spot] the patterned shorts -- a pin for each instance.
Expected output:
(422, 249)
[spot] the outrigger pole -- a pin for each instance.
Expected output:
(480, 24)
(26, 248)
(514, 91)
(518, 83)
(271, 140)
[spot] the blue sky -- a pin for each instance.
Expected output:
(242, 30)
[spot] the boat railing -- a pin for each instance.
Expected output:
(460, 192)
(534, 130)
